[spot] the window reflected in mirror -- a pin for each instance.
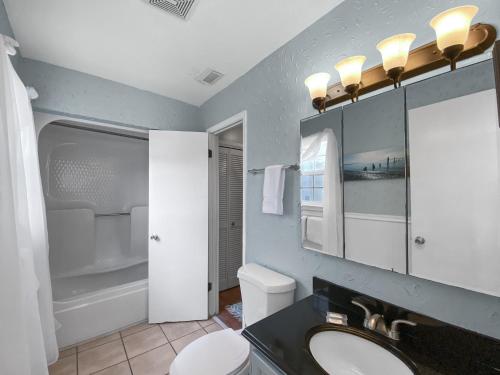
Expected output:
(321, 184)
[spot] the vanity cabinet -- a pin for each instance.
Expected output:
(261, 366)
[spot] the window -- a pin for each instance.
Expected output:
(312, 175)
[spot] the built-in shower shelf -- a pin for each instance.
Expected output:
(114, 214)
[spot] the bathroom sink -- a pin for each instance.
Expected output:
(346, 351)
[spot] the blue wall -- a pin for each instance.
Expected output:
(6, 29)
(276, 100)
(78, 94)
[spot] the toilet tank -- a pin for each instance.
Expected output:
(263, 292)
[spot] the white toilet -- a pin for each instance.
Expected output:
(263, 292)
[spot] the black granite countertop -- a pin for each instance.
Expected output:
(433, 347)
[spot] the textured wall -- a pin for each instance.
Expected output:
(77, 94)
(68, 92)
(275, 99)
(6, 29)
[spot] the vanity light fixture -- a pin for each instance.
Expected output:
(452, 30)
(350, 70)
(318, 85)
(394, 51)
(456, 40)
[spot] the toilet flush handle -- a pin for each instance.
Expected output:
(154, 237)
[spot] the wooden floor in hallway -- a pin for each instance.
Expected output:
(229, 297)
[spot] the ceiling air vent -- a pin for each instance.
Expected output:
(209, 77)
(179, 8)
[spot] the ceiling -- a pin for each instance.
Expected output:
(132, 42)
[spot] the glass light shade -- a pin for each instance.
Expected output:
(317, 85)
(395, 50)
(350, 70)
(452, 26)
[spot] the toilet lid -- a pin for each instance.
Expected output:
(221, 352)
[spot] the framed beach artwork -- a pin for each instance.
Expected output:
(382, 164)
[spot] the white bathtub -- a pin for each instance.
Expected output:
(96, 313)
(95, 183)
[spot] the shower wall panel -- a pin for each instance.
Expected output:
(96, 193)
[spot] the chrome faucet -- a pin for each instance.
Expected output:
(376, 322)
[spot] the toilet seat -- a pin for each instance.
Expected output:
(218, 353)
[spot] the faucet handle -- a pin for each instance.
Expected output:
(368, 313)
(394, 332)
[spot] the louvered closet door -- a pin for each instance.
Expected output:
(230, 215)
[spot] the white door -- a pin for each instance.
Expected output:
(455, 201)
(178, 226)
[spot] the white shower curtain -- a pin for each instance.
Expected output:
(27, 339)
(332, 218)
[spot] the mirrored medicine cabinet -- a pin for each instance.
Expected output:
(409, 180)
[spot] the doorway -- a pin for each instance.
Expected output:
(230, 223)
(228, 250)
(230, 206)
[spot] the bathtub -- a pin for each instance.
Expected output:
(95, 183)
(96, 313)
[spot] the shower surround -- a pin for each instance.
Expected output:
(95, 186)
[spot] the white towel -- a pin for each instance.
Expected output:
(274, 186)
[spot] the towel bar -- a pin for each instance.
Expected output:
(294, 167)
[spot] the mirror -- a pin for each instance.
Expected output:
(374, 181)
(321, 184)
(454, 222)
(408, 180)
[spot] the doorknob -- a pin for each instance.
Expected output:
(419, 240)
(154, 237)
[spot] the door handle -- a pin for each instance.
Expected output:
(419, 240)
(154, 237)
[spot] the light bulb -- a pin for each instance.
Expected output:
(317, 85)
(350, 70)
(395, 50)
(452, 30)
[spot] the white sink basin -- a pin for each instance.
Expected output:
(342, 353)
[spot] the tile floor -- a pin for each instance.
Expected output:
(143, 349)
